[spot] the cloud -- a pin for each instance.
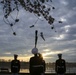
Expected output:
(63, 41)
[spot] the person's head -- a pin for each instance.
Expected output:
(60, 56)
(15, 56)
(35, 51)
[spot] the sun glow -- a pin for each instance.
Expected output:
(19, 58)
(51, 53)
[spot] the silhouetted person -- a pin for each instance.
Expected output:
(60, 66)
(43, 64)
(15, 65)
(35, 63)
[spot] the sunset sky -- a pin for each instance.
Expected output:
(63, 41)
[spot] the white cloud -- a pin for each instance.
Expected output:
(62, 41)
(7, 53)
(60, 37)
(64, 2)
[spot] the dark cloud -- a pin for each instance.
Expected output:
(64, 40)
(71, 4)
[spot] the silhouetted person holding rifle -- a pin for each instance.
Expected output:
(43, 64)
(15, 65)
(36, 66)
(60, 65)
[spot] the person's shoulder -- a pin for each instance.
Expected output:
(31, 58)
(18, 60)
(43, 60)
(63, 60)
(57, 60)
(12, 61)
(15, 61)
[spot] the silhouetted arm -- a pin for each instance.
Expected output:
(18, 65)
(30, 66)
(11, 66)
(64, 65)
(56, 66)
(44, 66)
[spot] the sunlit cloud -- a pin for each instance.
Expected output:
(60, 37)
(19, 58)
(64, 42)
(7, 53)
(51, 53)
(64, 2)
(63, 19)
(67, 28)
(46, 50)
(54, 52)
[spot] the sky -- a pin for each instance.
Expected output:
(63, 41)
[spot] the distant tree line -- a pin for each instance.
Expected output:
(7, 64)
(25, 65)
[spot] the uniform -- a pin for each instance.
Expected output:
(60, 67)
(44, 67)
(43, 63)
(36, 66)
(15, 67)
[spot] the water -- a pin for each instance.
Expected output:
(51, 70)
(24, 71)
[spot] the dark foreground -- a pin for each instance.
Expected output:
(7, 73)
